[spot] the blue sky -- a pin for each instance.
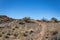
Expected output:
(35, 9)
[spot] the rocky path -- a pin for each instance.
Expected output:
(43, 31)
(42, 34)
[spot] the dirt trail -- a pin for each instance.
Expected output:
(43, 31)
(42, 34)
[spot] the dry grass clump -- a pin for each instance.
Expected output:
(53, 31)
(6, 36)
(0, 35)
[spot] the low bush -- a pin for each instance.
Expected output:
(54, 19)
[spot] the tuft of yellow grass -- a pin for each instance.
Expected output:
(53, 31)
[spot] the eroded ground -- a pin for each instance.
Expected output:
(20, 30)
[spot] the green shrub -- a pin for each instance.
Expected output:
(54, 19)
(27, 19)
(44, 19)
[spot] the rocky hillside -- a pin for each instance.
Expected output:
(21, 29)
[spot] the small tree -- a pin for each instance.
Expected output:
(54, 19)
(44, 19)
(26, 19)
